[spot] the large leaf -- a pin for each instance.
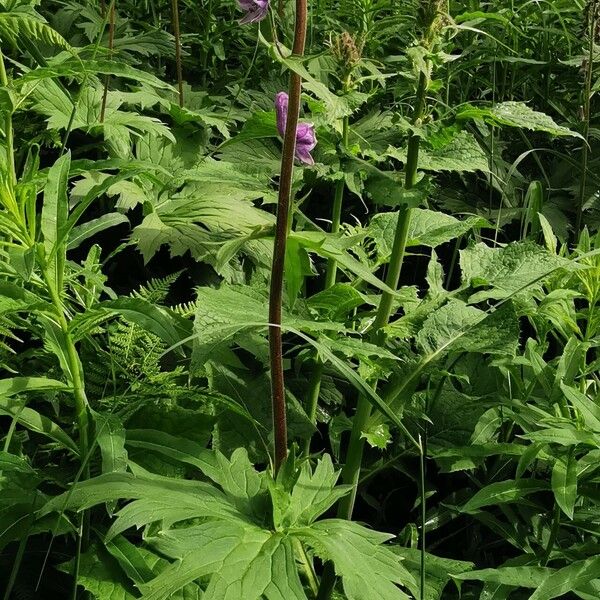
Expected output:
(19, 28)
(460, 153)
(368, 568)
(569, 578)
(505, 271)
(515, 114)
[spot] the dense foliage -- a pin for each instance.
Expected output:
(438, 435)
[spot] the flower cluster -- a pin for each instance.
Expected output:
(306, 138)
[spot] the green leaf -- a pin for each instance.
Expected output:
(589, 410)
(18, 28)
(503, 492)
(528, 577)
(36, 422)
(426, 228)
(332, 247)
(55, 211)
(515, 114)
(242, 561)
(506, 271)
(568, 578)
(80, 233)
(148, 316)
(461, 153)
(438, 571)
(564, 483)
(368, 568)
(297, 267)
(313, 493)
(110, 435)
(99, 574)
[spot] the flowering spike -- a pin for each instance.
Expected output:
(256, 10)
(306, 138)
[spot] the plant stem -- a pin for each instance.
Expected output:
(111, 43)
(586, 118)
(330, 276)
(281, 231)
(176, 31)
(8, 132)
(351, 470)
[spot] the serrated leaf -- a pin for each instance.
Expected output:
(368, 568)
(515, 114)
(461, 153)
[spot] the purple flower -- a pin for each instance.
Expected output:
(306, 139)
(256, 10)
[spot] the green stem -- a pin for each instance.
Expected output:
(586, 120)
(330, 276)
(8, 131)
(351, 470)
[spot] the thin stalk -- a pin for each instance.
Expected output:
(177, 33)
(111, 43)
(586, 119)
(330, 276)
(351, 469)
(422, 468)
(8, 131)
(281, 231)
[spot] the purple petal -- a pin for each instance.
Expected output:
(303, 154)
(256, 10)
(281, 108)
(306, 140)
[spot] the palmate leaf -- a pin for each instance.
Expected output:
(367, 568)
(232, 555)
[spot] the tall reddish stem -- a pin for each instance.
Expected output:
(281, 230)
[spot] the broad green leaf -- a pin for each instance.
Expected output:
(130, 558)
(368, 568)
(589, 410)
(503, 492)
(568, 578)
(505, 271)
(313, 493)
(515, 114)
(100, 574)
(17, 28)
(336, 302)
(148, 316)
(563, 436)
(426, 228)
(76, 67)
(297, 267)
(11, 462)
(564, 482)
(242, 562)
(459, 327)
(461, 153)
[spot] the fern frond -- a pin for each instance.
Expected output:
(156, 290)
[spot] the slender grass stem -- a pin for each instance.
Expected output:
(281, 231)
